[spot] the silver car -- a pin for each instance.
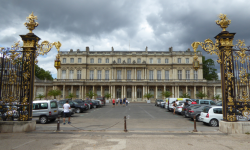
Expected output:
(45, 110)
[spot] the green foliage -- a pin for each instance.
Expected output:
(166, 94)
(71, 95)
(217, 97)
(90, 94)
(209, 72)
(148, 95)
(201, 95)
(107, 95)
(42, 74)
(185, 95)
(40, 96)
(54, 93)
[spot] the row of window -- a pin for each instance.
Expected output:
(128, 60)
(119, 74)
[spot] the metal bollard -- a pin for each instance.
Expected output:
(125, 125)
(58, 124)
(195, 130)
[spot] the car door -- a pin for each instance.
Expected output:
(217, 113)
(54, 108)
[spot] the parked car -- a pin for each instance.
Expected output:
(179, 107)
(205, 101)
(158, 102)
(195, 111)
(211, 115)
(90, 103)
(170, 101)
(99, 103)
(60, 110)
(163, 104)
(45, 110)
(102, 99)
(96, 104)
(80, 106)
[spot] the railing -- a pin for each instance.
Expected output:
(129, 80)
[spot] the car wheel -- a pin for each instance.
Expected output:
(43, 119)
(78, 110)
(213, 123)
(198, 118)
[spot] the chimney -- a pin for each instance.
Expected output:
(146, 49)
(171, 49)
(71, 50)
(112, 49)
(87, 49)
(188, 50)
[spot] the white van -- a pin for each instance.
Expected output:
(169, 101)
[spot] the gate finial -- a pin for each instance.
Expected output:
(223, 22)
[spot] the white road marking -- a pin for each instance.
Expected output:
(147, 112)
(23, 144)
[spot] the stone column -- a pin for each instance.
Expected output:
(135, 73)
(112, 95)
(72, 90)
(112, 73)
(122, 92)
(214, 91)
(125, 74)
(125, 91)
(156, 90)
(45, 93)
(173, 92)
(164, 89)
(101, 91)
(143, 90)
(80, 91)
(93, 91)
(132, 93)
(186, 90)
(178, 90)
(67, 73)
(145, 73)
(135, 94)
(85, 88)
(194, 92)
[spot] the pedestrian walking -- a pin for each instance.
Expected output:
(66, 113)
(126, 102)
(120, 101)
(113, 101)
(117, 101)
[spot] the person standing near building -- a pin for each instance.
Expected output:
(66, 112)
(113, 101)
(120, 101)
(126, 102)
(117, 101)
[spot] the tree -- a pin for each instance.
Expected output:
(42, 74)
(40, 96)
(90, 94)
(217, 97)
(71, 95)
(54, 93)
(148, 95)
(201, 95)
(185, 95)
(166, 94)
(209, 72)
(107, 95)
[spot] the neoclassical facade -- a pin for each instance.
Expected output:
(128, 74)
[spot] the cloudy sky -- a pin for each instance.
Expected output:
(101, 24)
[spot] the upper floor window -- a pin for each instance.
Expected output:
(71, 60)
(187, 74)
(99, 60)
(166, 61)
(119, 60)
(151, 60)
(91, 74)
(99, 74)
(139, 60)
(151, 74)
(64, 60)
(195, 74)
(107, 74)
(179, 74)
(79, 60)
(167, 75)
(107, 60)
(138, 74)
(63, 74)
(179, 60)
(92, 60)
(119, 74)
(71, 74)
(79, 73)
(129, 74)
(187, 60)
(158, 60)
(129, 61)
(159, 75)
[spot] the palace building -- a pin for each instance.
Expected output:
(128, 74)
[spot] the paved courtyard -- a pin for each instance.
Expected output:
(140, 117)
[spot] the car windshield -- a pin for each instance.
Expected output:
(75, 102)
(160, 100)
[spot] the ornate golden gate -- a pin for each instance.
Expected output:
(234, 68)
(17, 66)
